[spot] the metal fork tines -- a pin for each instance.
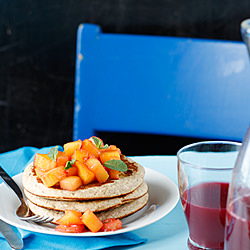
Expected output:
(23, 212)
(37, 219)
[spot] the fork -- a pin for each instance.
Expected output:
(23, 212)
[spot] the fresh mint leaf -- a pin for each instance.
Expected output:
(116, 165)
(53, 153)
(97, 141)
(69, 164)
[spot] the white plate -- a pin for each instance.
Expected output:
(163, 195)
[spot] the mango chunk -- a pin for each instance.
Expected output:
(61, 159)
(72, 171)
(70, 147)
(85, 174)
(71, 183)
(51, 177)
(114, 174)
(111, 148)
(89, 146)
(71, 217)
(80, 155)
(97, 168)
(109, 155)
(91, 221)
(43, 161)
(39, 172)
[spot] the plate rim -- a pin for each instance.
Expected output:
(90, 234)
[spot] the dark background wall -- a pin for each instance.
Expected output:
(37, 59)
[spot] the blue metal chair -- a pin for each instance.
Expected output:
(160, 85)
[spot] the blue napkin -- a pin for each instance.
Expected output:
(14, 162)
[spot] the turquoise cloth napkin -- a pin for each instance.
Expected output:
(14, 162)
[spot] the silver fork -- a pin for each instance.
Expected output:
(23, 212)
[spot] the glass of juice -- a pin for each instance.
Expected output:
(204, 172)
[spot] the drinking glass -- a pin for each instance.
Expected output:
(204, 172)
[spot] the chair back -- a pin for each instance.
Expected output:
(160, 85)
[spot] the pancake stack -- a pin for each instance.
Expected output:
(112, 199)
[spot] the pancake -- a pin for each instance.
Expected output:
(128, 182)
(93, 205)
(124, 210)
(118, 213)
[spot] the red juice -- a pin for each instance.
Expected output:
(238, 226)
(205, 210)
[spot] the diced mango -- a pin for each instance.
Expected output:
(80, 155)
(91, 221)
(111, 148)
(97, 168)
(39, 172)
(85, 174)
(51, 177)
(114, 174)
(43, 161)
(71, 217)
(61, 159)
(71, 183)
(76, 213)
(73, 171)
(109, 155)
(90, 147)
(70, 147)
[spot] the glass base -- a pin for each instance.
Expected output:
(193, 246)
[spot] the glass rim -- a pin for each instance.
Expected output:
(205, 142)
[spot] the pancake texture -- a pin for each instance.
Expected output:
(128, 182)
(93, 205)
(117, 213)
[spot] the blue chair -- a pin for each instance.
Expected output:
(160, 85)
